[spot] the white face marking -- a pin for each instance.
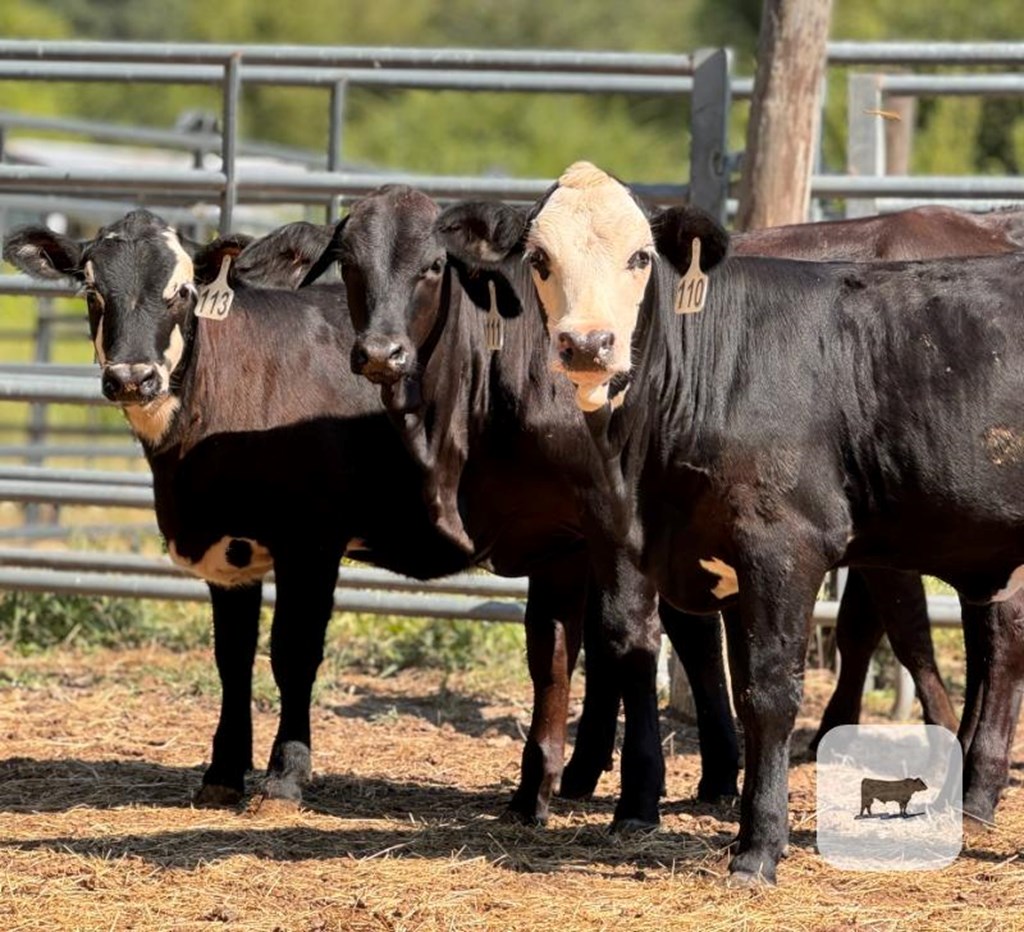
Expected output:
(89, 271)
(589, 229)
(175, 349)
(214, 567)
(727, 584)
(183, 272)
(1014, 583)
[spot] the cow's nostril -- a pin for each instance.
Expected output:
(605, 340)
(359, 358)
(397, 353)
(111, 385)
(149, 383)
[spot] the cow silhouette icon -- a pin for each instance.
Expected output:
(889, 791)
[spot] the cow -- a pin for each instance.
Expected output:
(503, 450)
(255, 467)
(801, 416)
(889, 791)
(930, 232)
(887, 599)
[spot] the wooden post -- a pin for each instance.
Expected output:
(785, 113)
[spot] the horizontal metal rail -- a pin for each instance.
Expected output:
(926, 53)
(119, 530)
(477, 584)
(51, 388)
(22, 284)
(946, 186)
(955, 85)
(521, 82)
(376, 57)
(88, 476)
(193, 590)
(75, 493)
(69, 451)
(262, 186)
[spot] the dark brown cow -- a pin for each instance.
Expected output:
(889, 791)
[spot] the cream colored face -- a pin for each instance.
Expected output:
(591, 249)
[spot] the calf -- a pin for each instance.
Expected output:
(265, 455)
(503, 450)
(889, 791)
(811, 415)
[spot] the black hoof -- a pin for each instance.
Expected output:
(576, 784)
(214, 796)
(628, 827)
(717, 789)
(519, 814)
(749, 879)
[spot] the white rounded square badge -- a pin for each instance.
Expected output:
(890, 797)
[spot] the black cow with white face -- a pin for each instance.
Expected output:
(810, 415)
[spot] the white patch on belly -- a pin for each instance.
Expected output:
(1014, 583)
(214, 567)
(727, 584)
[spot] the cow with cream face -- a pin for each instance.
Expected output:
(800, 416)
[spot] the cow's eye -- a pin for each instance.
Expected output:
(538, 260)
(435, 268)
(640, 259)
(185, 292)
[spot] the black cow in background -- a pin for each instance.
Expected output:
(811, 415)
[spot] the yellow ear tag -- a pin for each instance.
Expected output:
(215, 299)
(494, 325)
(693, 287)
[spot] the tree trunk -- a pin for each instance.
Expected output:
(785, 114)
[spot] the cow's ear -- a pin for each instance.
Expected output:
(329, 254)
(284, 257)
(482, 233)
(42, 253)
(207, 260)
(675, 230)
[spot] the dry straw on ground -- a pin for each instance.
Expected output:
(101, 751)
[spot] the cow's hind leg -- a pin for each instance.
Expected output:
(994, 635)
(901, 602)
(697, 640)
(236, 617)
(859, 630)
(554, 628)
(595, 733)
(305, 598)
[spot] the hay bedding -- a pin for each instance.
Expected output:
(100, 754)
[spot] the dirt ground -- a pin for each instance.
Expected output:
(100, 751)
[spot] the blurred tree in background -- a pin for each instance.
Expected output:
(527, 135)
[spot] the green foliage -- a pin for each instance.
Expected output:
(385, 645)
(31, 620)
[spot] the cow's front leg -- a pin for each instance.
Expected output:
(595, 733)
(305, 598)
(236, 618)
(767, 640)
(554, 628)
(631, 638)
(697, 640)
